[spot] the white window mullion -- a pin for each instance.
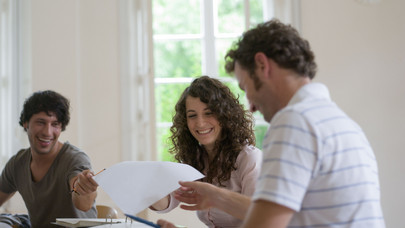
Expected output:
(137, 82)
(287, 11)
(177, 37)
(246, 7)
(268, 9)
(209, 15)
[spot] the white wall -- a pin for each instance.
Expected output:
(75, 52)
(359, 50)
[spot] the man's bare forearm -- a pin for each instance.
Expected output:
(232, 203)
(84, 203)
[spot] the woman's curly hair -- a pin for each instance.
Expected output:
(235, 121)
(277, 41)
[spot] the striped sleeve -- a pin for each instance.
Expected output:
(289, 160)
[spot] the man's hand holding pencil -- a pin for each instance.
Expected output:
(84, 183)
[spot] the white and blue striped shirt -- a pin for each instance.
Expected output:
(318, 162)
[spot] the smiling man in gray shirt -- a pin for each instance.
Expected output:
(53, 178)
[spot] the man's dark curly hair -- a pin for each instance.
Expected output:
(277, 41)
(49, 102)
(235, 121)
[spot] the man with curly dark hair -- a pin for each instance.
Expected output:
(53, 178)
(212, 132)
(318, 167)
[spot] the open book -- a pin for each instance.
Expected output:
(86, 222)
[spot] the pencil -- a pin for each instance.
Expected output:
(143, 221)
(99, 172)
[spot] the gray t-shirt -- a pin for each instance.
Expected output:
(50, 198)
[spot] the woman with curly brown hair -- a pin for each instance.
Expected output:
(212, 132)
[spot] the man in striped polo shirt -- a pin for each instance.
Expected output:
(318, 168)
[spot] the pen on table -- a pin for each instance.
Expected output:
(74, 189)
(142, 221)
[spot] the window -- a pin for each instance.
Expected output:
(192, 45)
(187, 39)
(14, 83)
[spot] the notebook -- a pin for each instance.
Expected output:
(86, 222)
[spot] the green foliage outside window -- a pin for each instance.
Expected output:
(231, 16)
(176, 16)
(166, 96)
(174, 59)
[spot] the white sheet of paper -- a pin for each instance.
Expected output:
(135, 185)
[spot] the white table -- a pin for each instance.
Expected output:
(125, 225)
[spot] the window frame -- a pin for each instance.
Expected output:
(15, 78)
(137, 75)
(137, 86)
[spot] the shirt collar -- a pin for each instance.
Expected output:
(311, 91)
